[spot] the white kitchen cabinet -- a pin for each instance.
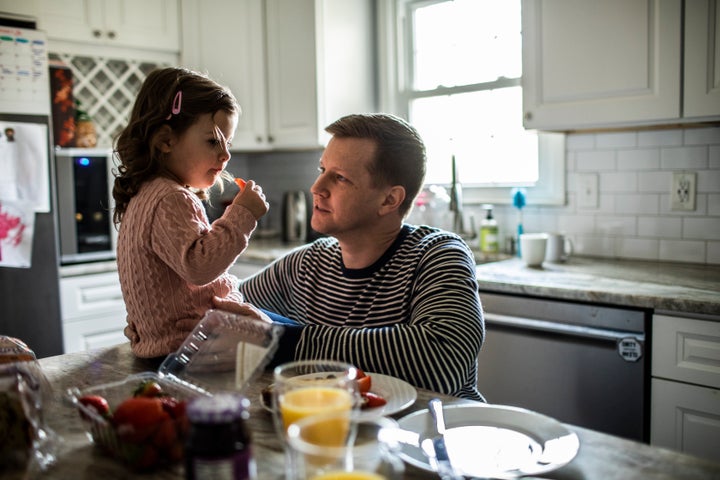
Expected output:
(296, 65)
(685, 396)
(144, 24)
(616, 63)
(93, 311)
(211, 31)
(702, 58)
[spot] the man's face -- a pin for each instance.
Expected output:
(345, 198)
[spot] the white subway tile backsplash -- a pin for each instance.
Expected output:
(616, 140)
(684, 158)
(682, 251)
(633, 218)
(580, 141)
(595, 161)
(708, 181)
(616, 225)
(656, 181)
(702, 136)
(575, 223)
(701, 228)
(660, 138)
(700, 206)
(714, 157)
(713, 204)
(641, 159)
(593, 246)
(618, 182)
(647, 204)
(660, 227)
(637, 248)
(713, 252)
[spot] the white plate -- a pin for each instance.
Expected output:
(398, 393)
(495, 441)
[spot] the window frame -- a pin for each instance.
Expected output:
(394, 71)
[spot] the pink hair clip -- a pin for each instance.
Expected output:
(176, 104)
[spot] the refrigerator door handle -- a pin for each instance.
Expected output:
(562, 328)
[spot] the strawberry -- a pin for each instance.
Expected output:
(97, 403)
(364, 381)
(149, 388)
(136, 418)
(174, 407)
(165, 435)
(372, 400)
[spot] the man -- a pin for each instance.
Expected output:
(385, 296)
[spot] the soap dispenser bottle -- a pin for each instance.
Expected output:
(489, 232)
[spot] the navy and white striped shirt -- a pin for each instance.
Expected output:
(418, 307)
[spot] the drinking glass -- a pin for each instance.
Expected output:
(365, 451)
(310, 387)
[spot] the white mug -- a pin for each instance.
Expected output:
(559, 248)
(532, 248)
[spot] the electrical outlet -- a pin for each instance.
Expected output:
(587, 190)
(682, 193)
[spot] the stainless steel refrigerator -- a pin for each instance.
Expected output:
(29, 294)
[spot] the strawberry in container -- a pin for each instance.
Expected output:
(141, 420)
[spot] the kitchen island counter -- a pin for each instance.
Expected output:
(664, 287)
(600, 456)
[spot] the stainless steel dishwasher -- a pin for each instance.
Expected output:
(580, 363)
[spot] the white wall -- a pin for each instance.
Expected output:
(633, 219)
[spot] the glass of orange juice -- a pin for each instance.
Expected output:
(365, 453)
(309, 387)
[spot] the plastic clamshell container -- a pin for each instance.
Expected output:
(143, 448)
(222, 353)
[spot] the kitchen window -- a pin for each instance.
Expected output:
(454, 69)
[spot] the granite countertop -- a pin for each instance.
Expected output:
(666, 287)
(662, 286)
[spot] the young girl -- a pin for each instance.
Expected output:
(172, 263)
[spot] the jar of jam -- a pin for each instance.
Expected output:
(219, 443)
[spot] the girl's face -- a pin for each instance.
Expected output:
(200, 154)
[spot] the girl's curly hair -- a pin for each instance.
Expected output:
(137, 148)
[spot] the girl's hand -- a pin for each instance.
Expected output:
(251, 197)
(233, 306)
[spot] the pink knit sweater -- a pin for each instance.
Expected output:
(172, 262)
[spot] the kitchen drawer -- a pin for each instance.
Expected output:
(687, 350)
(92, 294)
(685, 418)
(94, 332)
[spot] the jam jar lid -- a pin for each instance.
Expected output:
(219, 408)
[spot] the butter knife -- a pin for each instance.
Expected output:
(435, 448)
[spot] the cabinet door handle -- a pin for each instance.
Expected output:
(96, 33)
(561, 328)
(111, 35)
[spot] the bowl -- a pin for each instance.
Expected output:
(148, 442)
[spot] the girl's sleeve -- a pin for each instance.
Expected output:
(197, 251)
